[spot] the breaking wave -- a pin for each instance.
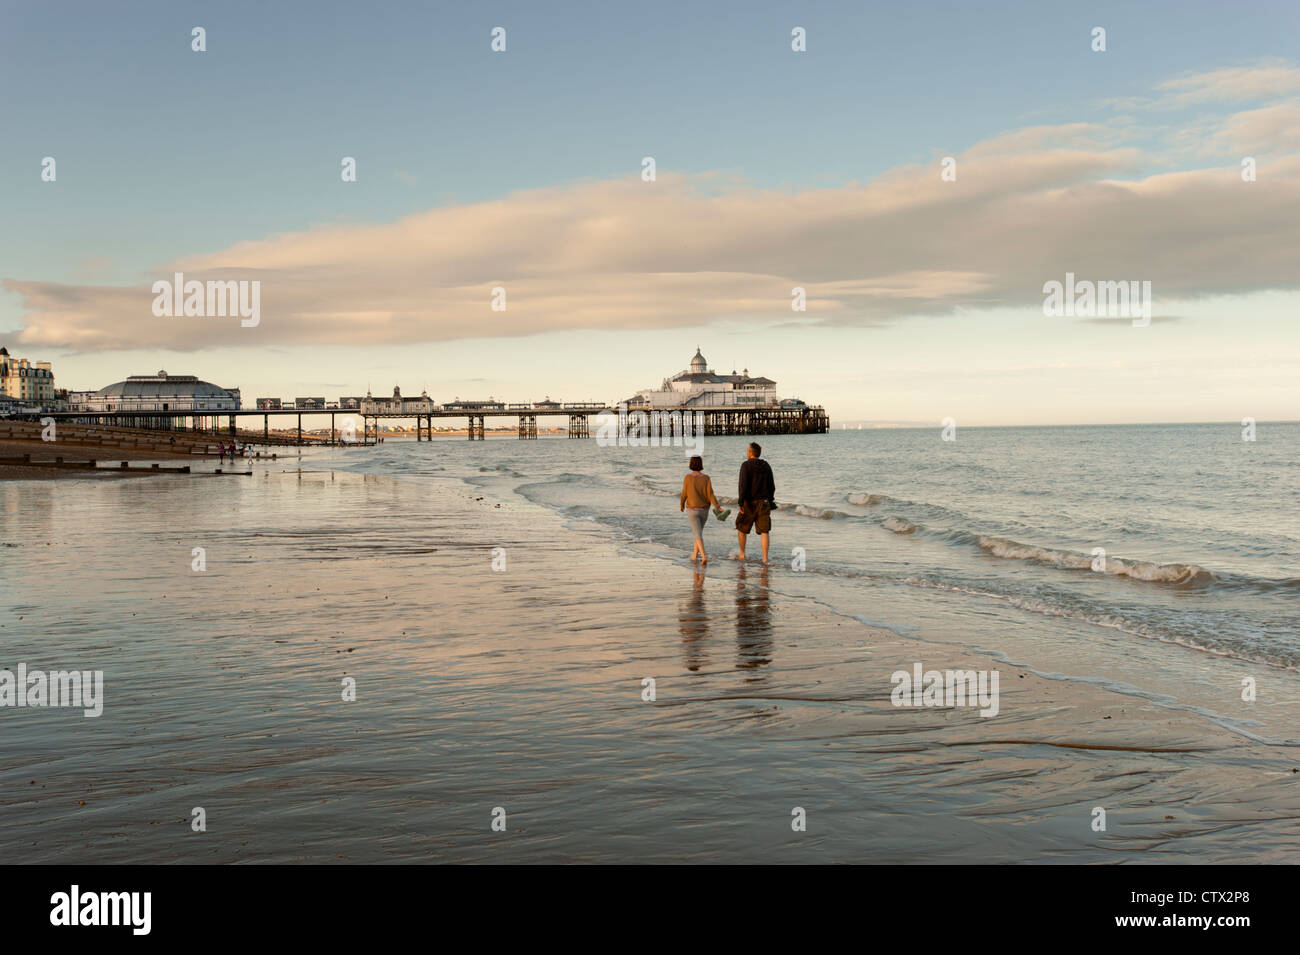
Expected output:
(874, 500)
(1114, 566)
(820, 513)
(899, 526)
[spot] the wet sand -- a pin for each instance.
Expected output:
(522, 689)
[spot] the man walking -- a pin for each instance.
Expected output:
(757, 498)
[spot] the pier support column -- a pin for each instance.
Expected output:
(578, 426)
(332, 440)
(300, 429)
(477, 428)
(528, 427)
(266, 428)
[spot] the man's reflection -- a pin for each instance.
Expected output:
(753, 621)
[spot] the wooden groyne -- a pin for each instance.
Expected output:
(26, 461)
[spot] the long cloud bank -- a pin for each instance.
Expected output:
(1024, 209)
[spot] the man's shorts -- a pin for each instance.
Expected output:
(756, 515)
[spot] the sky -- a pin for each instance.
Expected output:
(775, 169)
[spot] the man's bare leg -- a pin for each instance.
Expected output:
(740, 537)
(763, 538)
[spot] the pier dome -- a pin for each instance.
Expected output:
(140, 386)
(698, 365)
(162, 392)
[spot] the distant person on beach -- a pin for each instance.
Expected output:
(697, 495)
(757, 499)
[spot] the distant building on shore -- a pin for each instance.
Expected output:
(160, 392)
(700, 387)
(24, 381)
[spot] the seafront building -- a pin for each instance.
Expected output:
(396, 404)
(160, 392)
(700, 387)
(24, 381)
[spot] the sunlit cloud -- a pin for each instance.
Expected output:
(689, 250)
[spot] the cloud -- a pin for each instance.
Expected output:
(1155, 320)
(1026, 207)
(1235, 84)
(1264, 80)
(1269, 129)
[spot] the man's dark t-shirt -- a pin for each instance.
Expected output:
(756, 482)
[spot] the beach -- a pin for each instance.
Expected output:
(521, 690)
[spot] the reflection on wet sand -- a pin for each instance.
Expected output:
(753, 622)
(694, 625)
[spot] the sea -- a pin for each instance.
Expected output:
(1159, 560)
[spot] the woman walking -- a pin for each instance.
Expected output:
(697, 495)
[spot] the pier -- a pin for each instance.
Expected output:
(710, 421)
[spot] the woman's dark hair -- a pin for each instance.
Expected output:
(697, 463)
